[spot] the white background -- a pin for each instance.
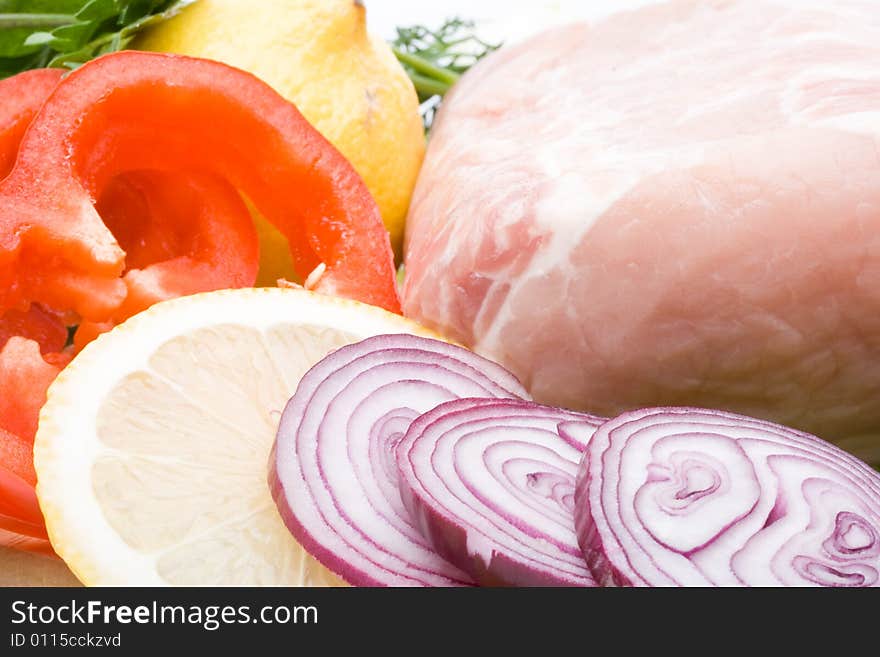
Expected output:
(496, 20)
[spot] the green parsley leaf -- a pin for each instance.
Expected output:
(435, 59)
(68, 33)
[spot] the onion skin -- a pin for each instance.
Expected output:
(693, 497)
(490, 483)
(332, 470)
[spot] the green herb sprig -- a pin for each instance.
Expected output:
(435, 59)
(68, 33)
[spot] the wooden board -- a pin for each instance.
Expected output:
(27, 569)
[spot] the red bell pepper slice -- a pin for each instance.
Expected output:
(133, 111)
(27, 339)
(21, 523)
(25, 375)
(20, 98)
(182, 234)
(37, 324)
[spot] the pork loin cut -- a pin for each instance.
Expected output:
(680, 205)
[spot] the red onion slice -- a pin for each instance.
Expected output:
(695, 497)
(333, 472)
(491, 483)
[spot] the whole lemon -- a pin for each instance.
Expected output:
(347, 83)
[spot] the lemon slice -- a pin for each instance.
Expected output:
(152, 449)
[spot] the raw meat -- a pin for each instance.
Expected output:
(680, 205)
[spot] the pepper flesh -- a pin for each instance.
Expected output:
(31, 342)
(21, 523)
(25, 375)
(182, 233)
(203, 116)
(22, 95)
(37, 324)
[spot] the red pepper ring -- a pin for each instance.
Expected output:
(18, 504)
(37, 324)
(181, 234)
(21, 522)
(21, 96)
(30, 359)
(27, 339)
(132, 111)
(192, 233)
(25, 374)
